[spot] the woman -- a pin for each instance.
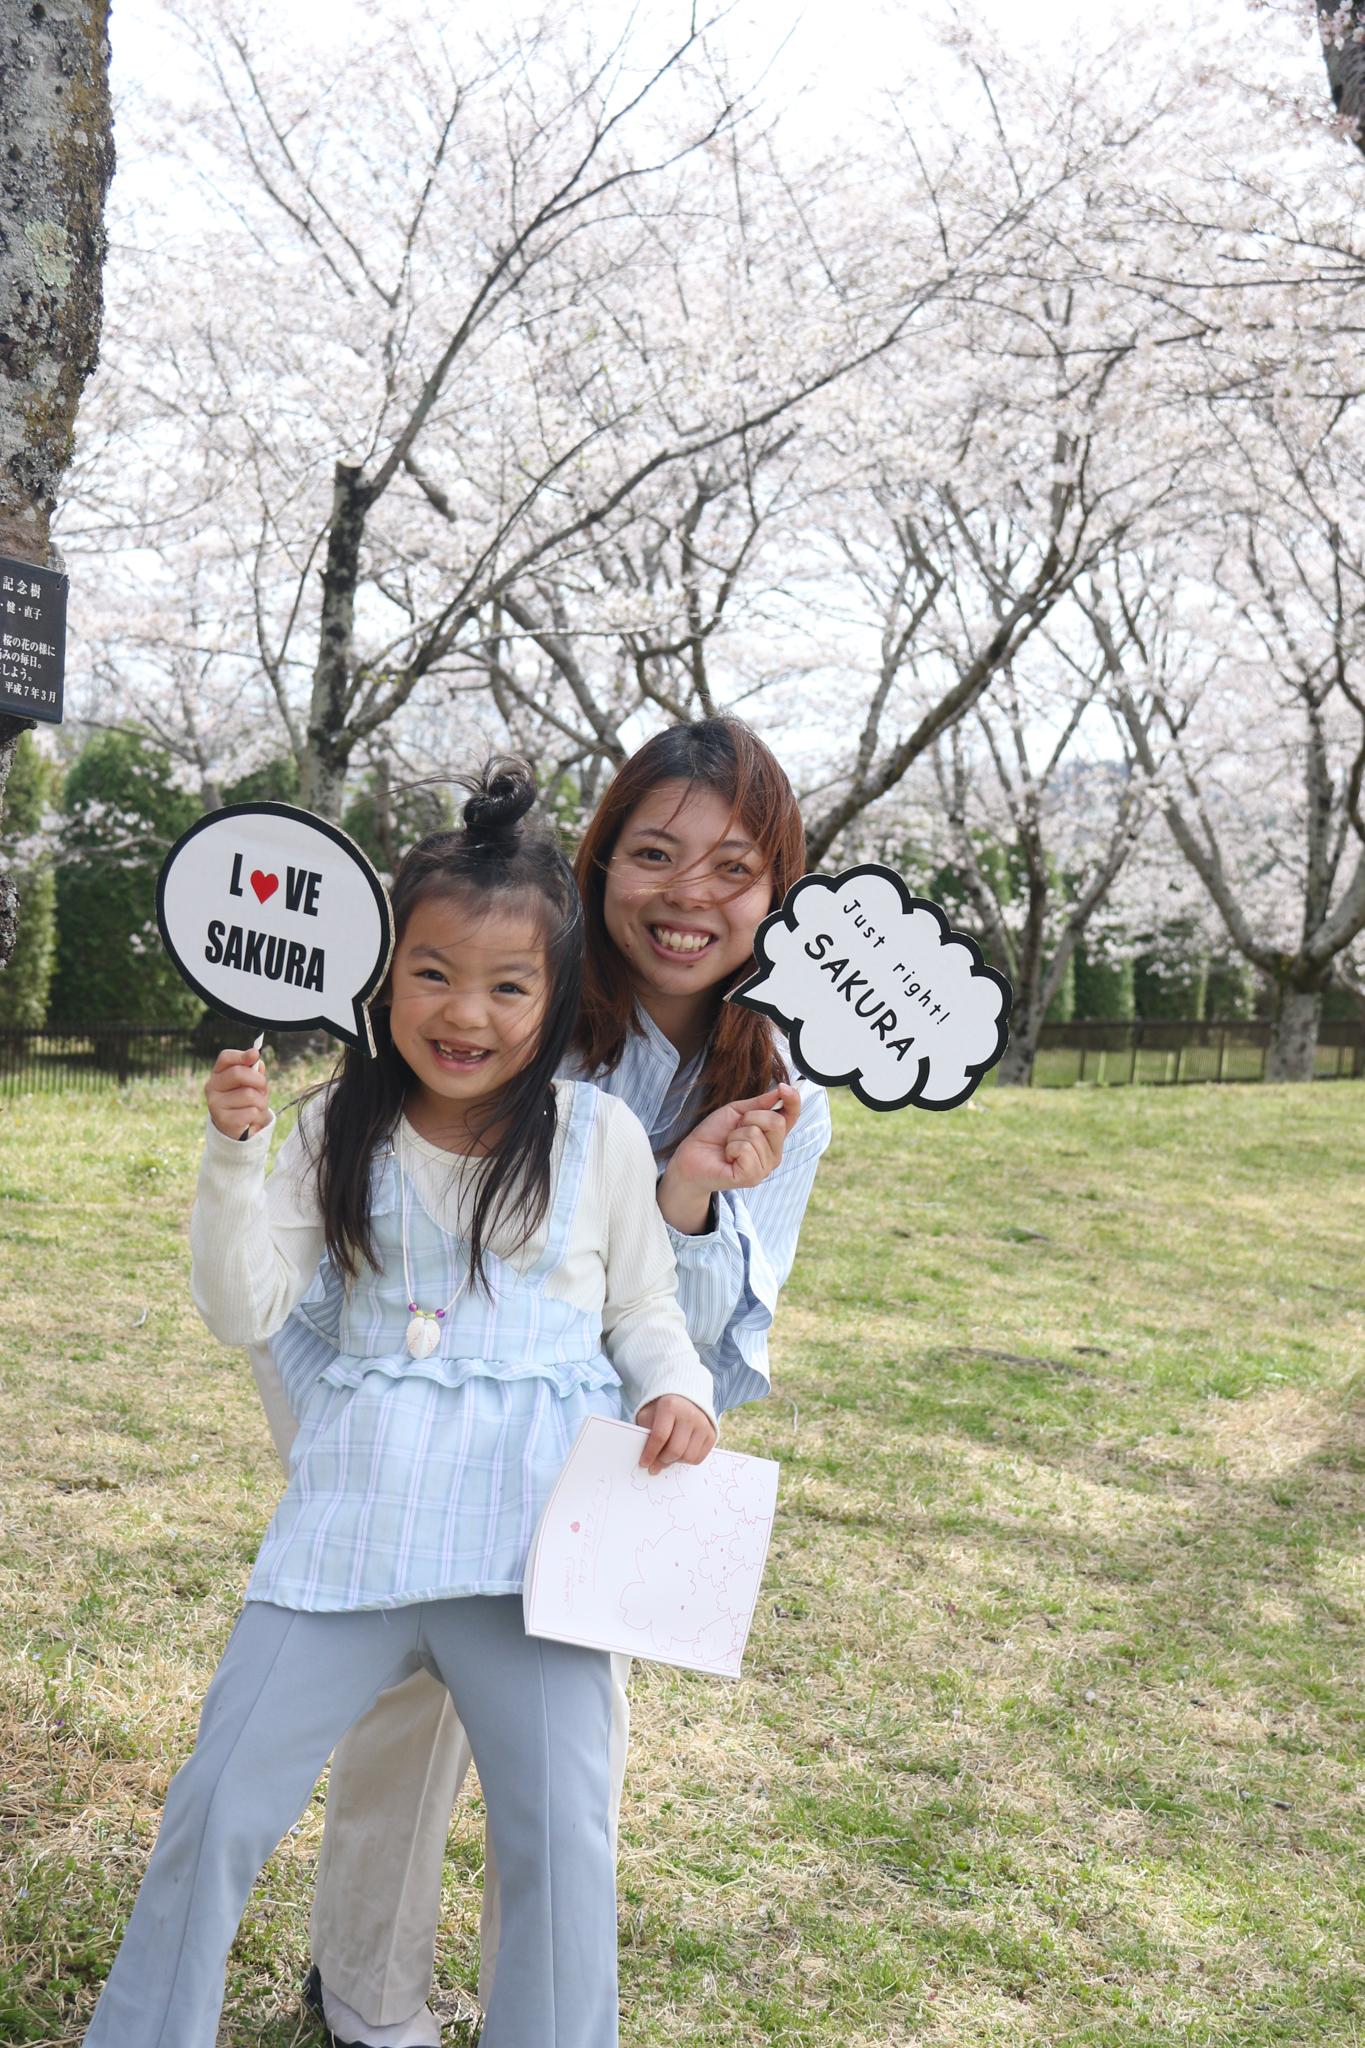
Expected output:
(695, 841)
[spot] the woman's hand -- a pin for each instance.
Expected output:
(237, 1093)
(680, 1433)
(737, 1146)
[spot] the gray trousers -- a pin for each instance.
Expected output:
(377, 1899)
(394, 1779)
(538, 1718)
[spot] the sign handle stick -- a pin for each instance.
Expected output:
(257, 1042)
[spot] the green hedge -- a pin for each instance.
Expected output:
(1170, 989)
(24, 984)
(1104, 988)
(122, 813)
(1230, 996)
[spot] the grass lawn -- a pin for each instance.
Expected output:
(1052, 1724)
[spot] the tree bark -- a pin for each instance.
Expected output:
(1016, 1062)
(1030, 1000)
(1345, 59)
(56, 159)
(9, 888)
(322, 771)
(1294, 1040)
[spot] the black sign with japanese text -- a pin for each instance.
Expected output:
(32, 640)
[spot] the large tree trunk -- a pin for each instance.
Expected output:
(327, 755)
(56, 159)
(1345, 61)
(1026, 1022)
(10, 729)
(1294, 1040)
(1033, 988)
(1016, 1062)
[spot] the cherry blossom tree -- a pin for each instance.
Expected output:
(1262, 790)
(860, 574)
(546, 392)
(578, 655)
(985, 467)
(1039, 831)
(467, 307)
(1026, 819)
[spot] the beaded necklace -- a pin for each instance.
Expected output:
(423, 1333)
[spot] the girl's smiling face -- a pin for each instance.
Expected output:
(467, 997)
(686, 888)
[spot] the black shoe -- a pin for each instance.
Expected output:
(312, 1998)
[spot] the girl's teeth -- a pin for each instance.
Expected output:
(679, 942)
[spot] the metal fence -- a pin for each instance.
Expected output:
(1166, 1051)
(88, 1057)
(83, 1058)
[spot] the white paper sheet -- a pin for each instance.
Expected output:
(666, 1568)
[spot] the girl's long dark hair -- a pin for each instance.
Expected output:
(505, 849)
(722, 755)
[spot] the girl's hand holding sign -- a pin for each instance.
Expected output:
(238, 1093)
(736, 1146)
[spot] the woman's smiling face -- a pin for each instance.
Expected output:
(686, 888)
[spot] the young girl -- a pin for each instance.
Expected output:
(507, 1275)
(695, 840)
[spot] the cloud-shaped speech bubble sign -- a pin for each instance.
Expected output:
(276, 917)
(877, 992)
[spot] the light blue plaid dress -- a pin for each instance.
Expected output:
(416, 1479)
(729, 1278)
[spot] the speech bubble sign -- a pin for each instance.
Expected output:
(276, 917)
(876, 991)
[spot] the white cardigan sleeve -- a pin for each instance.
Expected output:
(254, 1244)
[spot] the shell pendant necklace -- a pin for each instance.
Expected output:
(423, 1333)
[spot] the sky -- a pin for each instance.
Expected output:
(831, 54)
(829, 38)
(822, 63)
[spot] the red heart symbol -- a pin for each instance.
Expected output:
(574, 1527)
(264, 885)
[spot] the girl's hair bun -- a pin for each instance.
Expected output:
(499, 799)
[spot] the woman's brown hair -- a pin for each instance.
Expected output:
(719, 754)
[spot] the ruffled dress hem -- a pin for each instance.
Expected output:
(567, 1376)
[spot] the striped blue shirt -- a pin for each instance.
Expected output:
(729, 1278)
